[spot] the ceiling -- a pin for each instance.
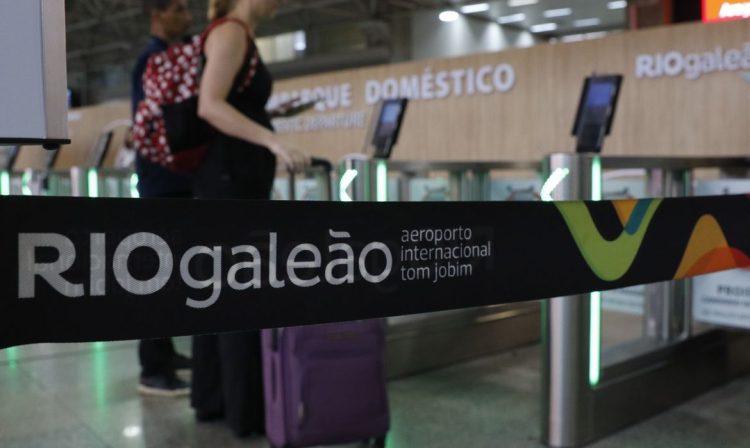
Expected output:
(99, 29)
(567, 16)
(102, 34)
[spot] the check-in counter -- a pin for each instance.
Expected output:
(422, 342)
(613, 358)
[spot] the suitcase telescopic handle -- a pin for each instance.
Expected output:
(327, 168)
(323, 163)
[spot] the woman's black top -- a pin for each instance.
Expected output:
(234, 168)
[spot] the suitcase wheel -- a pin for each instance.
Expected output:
(378, 442)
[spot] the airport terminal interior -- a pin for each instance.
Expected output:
(505, 316)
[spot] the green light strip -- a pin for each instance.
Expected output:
(5, 183)
(26, 183)
(344, 183)
(595, 338)
(134, 186)
(93, 183)
(595, 318)
(11, 355)
(552, 182)
(101, 386)
(596, 179)
(381, 179)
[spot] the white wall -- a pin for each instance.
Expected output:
(21, 71)
(32, 70)
(277, 48)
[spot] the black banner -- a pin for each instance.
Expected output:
(111, 269)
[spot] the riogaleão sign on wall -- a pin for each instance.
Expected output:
(692, 65)
(120, 269)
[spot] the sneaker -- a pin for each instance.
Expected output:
(163, 386)
(182, 365)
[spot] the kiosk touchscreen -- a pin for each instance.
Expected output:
(101, 148)
(52, 159)
(8, 156)
(388, 126)
(596, 111)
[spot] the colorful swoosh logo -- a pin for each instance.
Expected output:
(709, 251)
(609, 260)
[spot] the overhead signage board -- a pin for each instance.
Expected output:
(723, 10)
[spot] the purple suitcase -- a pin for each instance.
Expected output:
(325, 384)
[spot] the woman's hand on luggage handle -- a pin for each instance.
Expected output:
(293, 159)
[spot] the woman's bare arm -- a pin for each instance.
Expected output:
(225, 53)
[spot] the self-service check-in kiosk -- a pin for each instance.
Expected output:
(421, 342)
(596, 111)
(387, 127)
(357, 181)
(606, 367)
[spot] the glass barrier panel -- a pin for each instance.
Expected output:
(57, 184)
(622, 310)
(515, 189)
(433, 189)
(16, 183)
(442, 185)
(280, 190)
(111, 187)
(309, 190)
(721, 299)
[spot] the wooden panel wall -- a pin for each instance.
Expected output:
(664, 116)
(85, 126)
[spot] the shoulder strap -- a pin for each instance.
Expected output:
(211, 26)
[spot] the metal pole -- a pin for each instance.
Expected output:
(484, 185)
(77, 179)
(404, 186)
(357, 173)
(456, 185)
(667, 313)
(292, 178)
(567, 392)
(327, 183)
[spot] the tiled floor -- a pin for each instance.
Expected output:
(83, 395)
